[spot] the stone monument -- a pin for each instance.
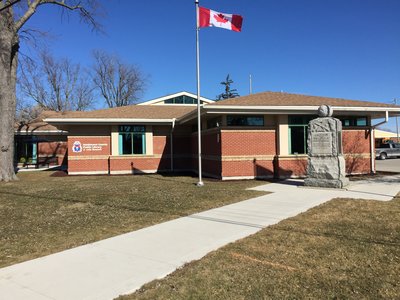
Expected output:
(326, 164)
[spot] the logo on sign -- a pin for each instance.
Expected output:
(77, 147)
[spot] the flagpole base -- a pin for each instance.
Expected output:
(200, 183)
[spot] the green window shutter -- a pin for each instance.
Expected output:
(120, 144)
(144, 143)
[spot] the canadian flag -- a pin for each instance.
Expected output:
(209, 18)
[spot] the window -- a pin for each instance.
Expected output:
(132, 139)
(234, 120)
(354, 121)
(181, 100)
(298, 132)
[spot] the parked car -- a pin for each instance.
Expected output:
(387, 150)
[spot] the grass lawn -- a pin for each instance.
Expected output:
(43, 214)
(342, 249)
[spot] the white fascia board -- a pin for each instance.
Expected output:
(157, 100)
(294, 109)
(107, 121)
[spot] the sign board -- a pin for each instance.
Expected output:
(83, 147)
(93, 147)
(321, 143)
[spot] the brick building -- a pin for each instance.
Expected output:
(39, 144)
(261, 135)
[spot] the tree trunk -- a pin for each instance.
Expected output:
(8, 73)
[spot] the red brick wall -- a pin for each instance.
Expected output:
(53, 149)
(358, 164)
(248, 168)
(291, 167)
(88, 165)
(356, 141)
(138, 164)
(248, 142)
(247, 145)
(161, 145)
(226, 153)
(104, 147)
(94, 154)
(356, 148)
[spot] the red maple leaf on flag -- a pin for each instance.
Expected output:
(221, 18)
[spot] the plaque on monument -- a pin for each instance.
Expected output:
(326, 164)
(321, 143)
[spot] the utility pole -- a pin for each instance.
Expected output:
(397, 123)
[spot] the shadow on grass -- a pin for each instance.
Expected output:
(41, 197)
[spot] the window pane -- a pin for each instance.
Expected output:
(127, 143)
(354, 121)
(255, 121)
(189, 100)
(124, 128)
(139, 129)
(300, 120)
(133, 128)
(361, 122)
(169, 101)
(138, 146)
(297, 139)
(178, 100)
(245, 120)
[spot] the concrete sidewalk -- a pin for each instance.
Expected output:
(120, 265)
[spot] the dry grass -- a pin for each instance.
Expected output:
(43, 214)
(342, 249)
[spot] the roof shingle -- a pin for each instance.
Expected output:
(286, 99)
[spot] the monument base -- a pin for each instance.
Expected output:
(326, 183)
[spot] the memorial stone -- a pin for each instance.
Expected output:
(326, 164)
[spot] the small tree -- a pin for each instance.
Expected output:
(55, 84)
(229, 93)
(119, 83)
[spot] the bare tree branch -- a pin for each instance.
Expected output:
(120, 84)
(7, 4)
(57, 85)
(85, 13)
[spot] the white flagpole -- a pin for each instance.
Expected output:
(200, 182)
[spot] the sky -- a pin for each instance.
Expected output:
(337, 48)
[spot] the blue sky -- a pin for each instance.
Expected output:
(338, 48)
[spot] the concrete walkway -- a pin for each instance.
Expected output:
(120, 265)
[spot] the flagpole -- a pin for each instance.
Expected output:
(200, 182)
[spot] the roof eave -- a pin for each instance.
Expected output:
(107, 121)
(297, 109)
(40, 132)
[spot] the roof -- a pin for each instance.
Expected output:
(267, 102)
(287, 99)
(38, 126)
(160, 100)
(131, 113)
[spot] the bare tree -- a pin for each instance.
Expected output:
(26, 112)
(57, 85)
(119, 83)
(13, 16)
